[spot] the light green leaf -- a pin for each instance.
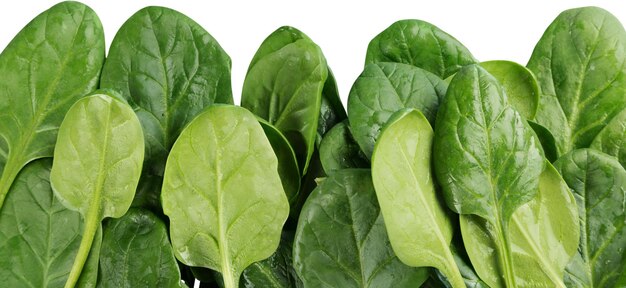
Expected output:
(612, 139)
(519, 83)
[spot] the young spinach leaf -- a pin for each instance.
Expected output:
(420, 44)
(287, 163)
(544, 234)
(52, 62)
(284, 86)
(519, 83)
(338, 150)
(580, 62)
(384, 88)
(276, 271)
(612, 139)
(599, 185)
(222, 193)
(169, 69)
(487, 159)
(419, 229)
(136, 252)
(97, 163)
(39, 237)
(341, 239)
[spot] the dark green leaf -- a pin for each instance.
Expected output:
(136, 252)
(580, 63)
(284, 86)
(169, 68)
(338, 150)
(420, 44)
(612, 139)
(52, 62)
(384, 88)
(546, 139)
(599, 185)
(341, 239)
(486, 158)
(276, 271)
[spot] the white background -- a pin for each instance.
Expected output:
(342, 28)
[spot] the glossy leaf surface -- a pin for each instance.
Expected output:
(51, 63)
(338, 150)
(612, 139)
(384, 88)
(341, 239)
(276, 271)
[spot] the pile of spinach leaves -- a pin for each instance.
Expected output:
(137, 169)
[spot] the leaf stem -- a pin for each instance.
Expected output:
(504, 253)
(91, 226)
(11, 169)
(229, 278)
(452, 272)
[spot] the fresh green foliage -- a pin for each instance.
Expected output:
(169, 69)
(420, 44)
(222, 193)
(97, 163)
(338, 150)
(284, 86)
(136, 252)
(52, 62)
(341, 239)
(612, 139)
(276, 271)
(543, 231)
(331, 108)
(384, 88)
(519, 83)
(486, 158)
(599, 185)
(39, 237)
(580, 63)
(419, 228)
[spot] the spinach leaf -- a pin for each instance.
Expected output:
(599, 185)
(419, 230)
(338, 150)
(52, 62)
(519, 83)
(39, 237)
(341, 239)
(136, 252)
(580, 62)
(284, 86)
(276, 271)
(420, 44)
(331, 108)
(287, 163)
(97, 163)
(544, 233)
(222, 193)
(487, 159)
(548, 143)
(384, 88)
(169, 69)
(612, 139)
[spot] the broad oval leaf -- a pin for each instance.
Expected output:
(277, 271)
(341, 239)
(97, 164)
(612, 139)
(420, 44)
(544, 235)
(222, 193)
(519, 83)
(284, 86)
(384, 88)
(287, 163)
(136, 252)
(487, 159)
(580, 63)
(39, 237)
(169, 69)
(338, 150)
(419, 229)
(51, 62)
(599, 185)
